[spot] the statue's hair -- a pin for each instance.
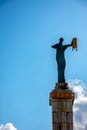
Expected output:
(61, 39)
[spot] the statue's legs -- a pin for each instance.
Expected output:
(61, 70)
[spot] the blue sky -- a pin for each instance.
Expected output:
(28, 70)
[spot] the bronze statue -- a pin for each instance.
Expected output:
(60, 58)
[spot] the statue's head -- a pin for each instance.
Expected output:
(61, 40)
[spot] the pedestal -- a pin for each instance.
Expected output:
(61, 99)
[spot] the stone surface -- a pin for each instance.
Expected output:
(61, 99)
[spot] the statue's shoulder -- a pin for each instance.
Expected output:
(55, 46)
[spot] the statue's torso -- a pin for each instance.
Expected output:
(60, 54)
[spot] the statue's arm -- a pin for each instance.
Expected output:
(55, 46)
(66, 46)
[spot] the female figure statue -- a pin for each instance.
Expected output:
(60, 58)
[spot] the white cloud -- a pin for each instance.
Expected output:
(80, 104)
(8, 126)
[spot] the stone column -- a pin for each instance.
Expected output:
(61, 99)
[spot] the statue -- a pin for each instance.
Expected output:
(60, 57)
